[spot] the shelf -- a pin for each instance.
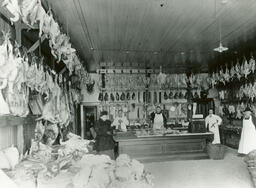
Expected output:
(10, 120)
(234, 100)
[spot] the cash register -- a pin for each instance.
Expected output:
(197, 124)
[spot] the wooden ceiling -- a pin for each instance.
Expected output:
(178, 34)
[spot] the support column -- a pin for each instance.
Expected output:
(82, 121)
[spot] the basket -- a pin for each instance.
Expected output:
(216, 151)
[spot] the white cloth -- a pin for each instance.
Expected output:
(248, 137)
(158, 121)
(213, 122)
(124, 122)
(6, 182)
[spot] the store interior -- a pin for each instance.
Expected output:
(155, 69)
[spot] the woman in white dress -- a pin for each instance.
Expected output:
(248, 137)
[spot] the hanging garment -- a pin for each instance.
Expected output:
(248, 137)
(213, 122)
(158, 121)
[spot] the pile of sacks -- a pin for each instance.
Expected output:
(99, 171)
(250, 160)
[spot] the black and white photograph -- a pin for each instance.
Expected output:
(127, 93)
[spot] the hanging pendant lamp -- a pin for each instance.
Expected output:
(220, 48)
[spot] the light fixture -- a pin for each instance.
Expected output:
(220, 48)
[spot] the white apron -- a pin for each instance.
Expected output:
(158, 121)
(248, 137)
(213, 124)
(215, 130)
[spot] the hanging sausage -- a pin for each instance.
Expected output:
(128, 97)
(112, 97)
(160, 97)
(171, 95)
(144, 96)
(122, 97)
(155, 97)
(181, 95)
(100, 98)
(117, 96)
(176, 95)
(133, 96)
(148, 97)
(165, 96)
(106, 97)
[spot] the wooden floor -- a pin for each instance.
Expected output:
(231, 172)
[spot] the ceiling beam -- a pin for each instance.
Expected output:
(36, 44)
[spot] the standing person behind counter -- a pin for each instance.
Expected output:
(103, 134)
(212, 122)
(121, 121)
(248, 136)
(158, 118)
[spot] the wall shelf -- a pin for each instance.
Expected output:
(10, 120)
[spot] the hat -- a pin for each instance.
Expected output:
(103, 113)
(247, 109)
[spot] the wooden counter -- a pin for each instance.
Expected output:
(162, 148)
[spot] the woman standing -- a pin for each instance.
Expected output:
(104, 136)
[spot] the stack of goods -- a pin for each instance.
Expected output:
(250, 160)
(86, 171)
(45, 162)
(100, 171)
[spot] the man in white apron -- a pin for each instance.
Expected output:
(213, 122)
(158, 119)
(121, 121)
(248, 137)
